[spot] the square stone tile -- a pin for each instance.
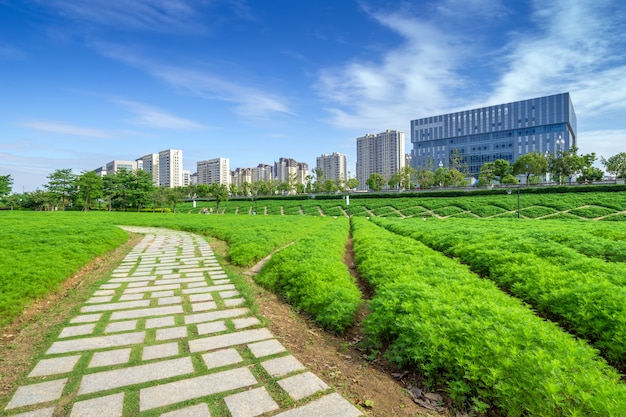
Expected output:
(160, 322)
(164, 350)
(86, 318)
(302, 385)
(110, 358)
(54, 366)
(282, 366)
(43, 412)
(229, 294)
(170, 300)
(37, 393)
(250, 403)
(107, 406)
(171, 333)
(131, 297)
(208, 305)
(138, 284)
(197, 284)
(159, 294)
(80, 330)
(194, 298)
(199, 410)
(100, 293)
(245, 322)
(212, 327)
(266, 348)
(121, 326)
(234, 302)
(221, 358)
(110, 286)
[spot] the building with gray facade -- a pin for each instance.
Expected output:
(382, 153)
(504, 131)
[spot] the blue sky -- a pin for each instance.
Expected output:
(83, 82)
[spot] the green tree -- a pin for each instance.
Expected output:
(90, 186)
(220, 193)
(616, 165)
(532, 163)
(352, 183)
(442, 177)
(407, 174)
(62, 185)
(457, 161)
(566, 164)
(425, 178)
(394, 180)
(140, 188)
(173, 196)
(501, 168)
(6, 182)
(457, 178)
(375, 182)
(486, 175)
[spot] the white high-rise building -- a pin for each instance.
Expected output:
(286, 167)
(382, 153)
(171, 168)
(333, 166)
(150, 163)
(214, 171)
(114, 166)
(262, 172)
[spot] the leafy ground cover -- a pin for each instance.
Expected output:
(461, 332)
(586, 295)
(38, 251)
(582, 205)
(311, 275)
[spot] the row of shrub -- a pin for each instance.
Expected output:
(311, 275)
(586, 295)
(486, 349)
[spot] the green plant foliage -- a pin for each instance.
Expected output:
(462, 333)
(586, 295)
(40, 250)
(312, 276)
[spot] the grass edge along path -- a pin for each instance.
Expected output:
(486, 349)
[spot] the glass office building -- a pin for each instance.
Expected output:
(504, 131)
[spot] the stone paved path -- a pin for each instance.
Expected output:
(169, 335)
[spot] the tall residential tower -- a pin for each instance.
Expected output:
(382, 153)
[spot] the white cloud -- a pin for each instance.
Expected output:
(64, 129)
(160, 15)
(604, 143)
(153, 117)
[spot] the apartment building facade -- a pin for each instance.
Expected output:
(382, 153)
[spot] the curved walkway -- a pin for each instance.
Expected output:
(168, 335)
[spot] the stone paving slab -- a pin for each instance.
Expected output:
(188, 389)
(167, 331)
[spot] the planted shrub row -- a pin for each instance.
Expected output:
(311, 275)
(462, 333)
(586, 295)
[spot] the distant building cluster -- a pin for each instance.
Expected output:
(506, 131)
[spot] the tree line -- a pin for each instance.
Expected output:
(134, 190)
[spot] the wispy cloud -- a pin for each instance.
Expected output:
(572, 49)
(152, 117)
(247, 101)
(448, 59)
(159, 15)
(64, 129)
(416, 77)
(11, 52)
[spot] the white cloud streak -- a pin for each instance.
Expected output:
(156, 118)
(64, 129)
(154, 15)
(247, 101)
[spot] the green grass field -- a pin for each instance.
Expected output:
(541, 300)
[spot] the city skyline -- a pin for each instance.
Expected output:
(87, 82)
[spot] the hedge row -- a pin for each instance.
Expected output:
(311, 275)
(464, 335)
